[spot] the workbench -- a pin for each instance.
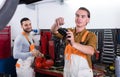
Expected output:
(48, 72)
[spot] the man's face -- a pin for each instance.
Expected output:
(81, 18)
(26, 25)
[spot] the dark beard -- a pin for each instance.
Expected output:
(27, 31)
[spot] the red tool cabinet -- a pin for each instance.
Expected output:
(5, 43)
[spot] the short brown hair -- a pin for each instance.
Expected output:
(24, 19)
(83, 8)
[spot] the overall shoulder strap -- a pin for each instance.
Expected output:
(84, 37)
(26, 37)
(32, 46)
(88, 56)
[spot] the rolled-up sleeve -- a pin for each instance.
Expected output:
(92, 41)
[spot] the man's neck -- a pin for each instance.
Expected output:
(79, 29)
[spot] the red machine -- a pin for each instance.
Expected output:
(46, 47)
(46, 44)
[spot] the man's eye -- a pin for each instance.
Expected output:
(83, 16)
(76, 15)
(26, 25)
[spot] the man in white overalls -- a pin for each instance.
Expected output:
(77, 51)
(24, 50)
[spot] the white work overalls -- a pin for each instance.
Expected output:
(24, 67)
(77, 66)
(76, 63)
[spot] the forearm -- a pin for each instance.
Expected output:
(22, 55)
(83, 48)
(54, 28)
